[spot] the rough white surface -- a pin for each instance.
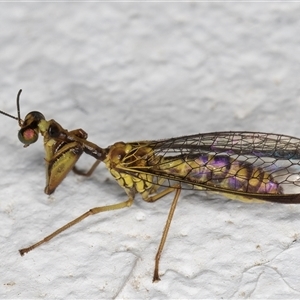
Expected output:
(133, 71)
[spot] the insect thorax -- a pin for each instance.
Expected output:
(128, 164)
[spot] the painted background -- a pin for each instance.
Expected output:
(134, 71)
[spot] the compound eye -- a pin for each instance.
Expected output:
(28, 135)
(33, 118)
(53, 131)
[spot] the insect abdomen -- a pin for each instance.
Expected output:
(224, 172)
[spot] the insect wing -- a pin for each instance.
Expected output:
(257, 144)
(242, 164)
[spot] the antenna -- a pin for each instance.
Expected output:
(18, 110)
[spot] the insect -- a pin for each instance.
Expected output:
(240, 165)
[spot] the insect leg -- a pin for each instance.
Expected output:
(154, 189)
(154, 198)
(92, 211)
(89, 172)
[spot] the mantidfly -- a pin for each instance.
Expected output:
(245, 166)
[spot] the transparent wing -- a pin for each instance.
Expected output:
(246, 164)
(256, 144)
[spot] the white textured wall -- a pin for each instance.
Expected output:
(133, 71)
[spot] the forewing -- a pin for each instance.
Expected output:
(274, 157)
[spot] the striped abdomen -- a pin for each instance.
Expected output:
(222, 171)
